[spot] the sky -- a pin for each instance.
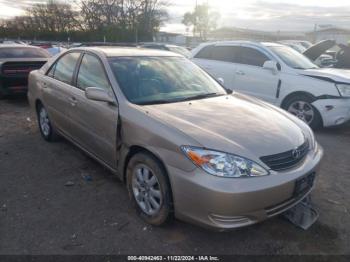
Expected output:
(266, 15)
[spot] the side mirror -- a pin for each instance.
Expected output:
(271, 65)
(98, 94)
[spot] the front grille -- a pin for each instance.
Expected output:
(287, 159)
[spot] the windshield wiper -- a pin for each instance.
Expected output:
(163, 101)
(201, 96)
(156, 102)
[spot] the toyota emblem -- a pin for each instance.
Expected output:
(296, 153)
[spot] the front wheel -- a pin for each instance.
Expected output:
(301, 106)
(149, 189)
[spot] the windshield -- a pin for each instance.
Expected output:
(23, 52)
(152, 80)
(292, 58)
(180, 50)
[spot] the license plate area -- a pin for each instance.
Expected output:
(304, 184)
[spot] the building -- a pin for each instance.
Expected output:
(340, 35)
(233, 33)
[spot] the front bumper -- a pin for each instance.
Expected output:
(333, 111)
(226, 203)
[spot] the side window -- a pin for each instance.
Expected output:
(225, 53)
(51, 72)
(63, 70)
(91, 73)
(251, 56)
(205, 53)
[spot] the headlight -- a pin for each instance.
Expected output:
(311, 137)
(223, 164)
(344, 89)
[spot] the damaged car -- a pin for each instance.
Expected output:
(183, 145)
(328, 53)
(280, 75)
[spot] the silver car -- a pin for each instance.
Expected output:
(184, 146)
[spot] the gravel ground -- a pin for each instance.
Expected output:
(48, 207)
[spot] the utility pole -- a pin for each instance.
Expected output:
(136, 35)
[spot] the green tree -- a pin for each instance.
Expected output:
(202, 20)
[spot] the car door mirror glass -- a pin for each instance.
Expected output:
(271, 65)
(99, 94)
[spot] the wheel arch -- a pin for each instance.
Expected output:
(302, 93)
(296, 93)
(37, 104)
(135, 149)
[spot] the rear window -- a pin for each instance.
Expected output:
(23, 52)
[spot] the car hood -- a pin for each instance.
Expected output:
(328, 74)
(236, 124)
(318, 49)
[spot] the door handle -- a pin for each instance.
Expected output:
(73, 101)
(240, 73)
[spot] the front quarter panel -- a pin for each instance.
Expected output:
(294, 82)
(141, 129)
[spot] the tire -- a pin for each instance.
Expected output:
(301, 107)
(46, 129)
(149, 189)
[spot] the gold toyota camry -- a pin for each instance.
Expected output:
(184, 145)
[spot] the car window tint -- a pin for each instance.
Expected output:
(64, 68)
(224, 53)
(205, 53)
(91, 73)
(251, 56)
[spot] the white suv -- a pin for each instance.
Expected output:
(282, 76)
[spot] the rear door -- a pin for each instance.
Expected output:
(250, 76)
(94, 123)
(57, 86)
(217, 61)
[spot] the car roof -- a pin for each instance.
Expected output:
(112, 51)
(237, 42)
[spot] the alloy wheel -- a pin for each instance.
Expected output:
(303, 110)
(146, 190)
(44, 122)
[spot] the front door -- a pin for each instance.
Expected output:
(94, 123)
(252, 79)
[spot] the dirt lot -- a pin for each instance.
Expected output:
(41, 214)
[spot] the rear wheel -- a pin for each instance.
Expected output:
(301, 106)
(45, 127)
(149, 189)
